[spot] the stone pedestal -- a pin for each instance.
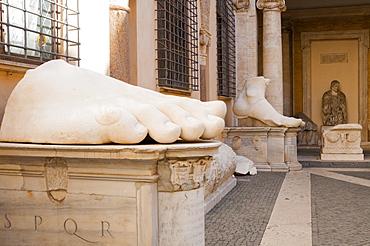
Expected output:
(342, 143)
(291, 156)
(276, 149)
(270, 148)
(250, 142)
(103, 194)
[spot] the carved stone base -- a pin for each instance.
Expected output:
(342, 157)
(103, 194)
(342, 142)
(270, 148)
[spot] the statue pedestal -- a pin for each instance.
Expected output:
(342, 143)
(103, 194)
(276, 149)
(291, 157)
(270, 148)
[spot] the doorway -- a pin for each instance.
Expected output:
(336, 55)
(334, 60)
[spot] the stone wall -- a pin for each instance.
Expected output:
(316, 25)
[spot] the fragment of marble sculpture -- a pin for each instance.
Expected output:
(251, 102)
(334, 108)
(245, 166)
(220, 169)
(64, 104)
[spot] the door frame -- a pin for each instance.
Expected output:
(363, 45)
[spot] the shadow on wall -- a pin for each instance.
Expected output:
(8, 80)
(309, 135)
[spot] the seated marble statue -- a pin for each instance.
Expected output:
(63, 104)
(251, 102)
(334, 109)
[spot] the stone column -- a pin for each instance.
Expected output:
(204, 42)
(246, 30)
(287, 68)
(291, 158)
(276, 149)
(119, 40)
(272, 50)
(246, 42)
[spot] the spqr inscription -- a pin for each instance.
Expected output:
(70, 226)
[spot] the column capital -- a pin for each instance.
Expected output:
(241, 5)
(204, 42)
(266, 5)
(119, 5)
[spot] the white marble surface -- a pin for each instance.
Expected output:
(245, 166)
(220, 169)
(63, 104)
(181, 218)
(251, 102)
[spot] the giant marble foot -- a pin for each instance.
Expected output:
(63, 104)
(251, 102)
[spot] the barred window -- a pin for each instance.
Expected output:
(225, 48)
(35, 31)
(177, 44)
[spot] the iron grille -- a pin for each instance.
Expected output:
(225, 48)
(177, 44)
(35, 31)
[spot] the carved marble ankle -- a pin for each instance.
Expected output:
(251, 102)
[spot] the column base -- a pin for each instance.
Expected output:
(294, 166)
(263, 167)
(342, 157)
(279, 167)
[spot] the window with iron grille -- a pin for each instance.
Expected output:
(35, 31)
(177, 44)
(226, 48)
